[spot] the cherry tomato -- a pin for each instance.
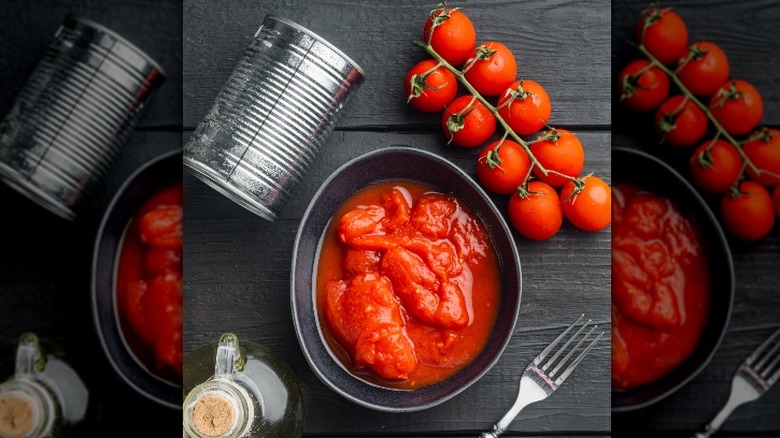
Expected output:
(748, 214)
(776, 197)
(162, 227)
(591, 208)
(494, 68)
(764, 152)
(429, 88)
(737, 106)
(561, 152)
(680, 122)
(453, 36)
(663, 33)
(642, 87)
(537, 215)
(525, 107)
(715, 166)
(706, 68)
(502, 169)
(467, 124)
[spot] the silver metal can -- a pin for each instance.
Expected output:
(74, 113)
(272, 116)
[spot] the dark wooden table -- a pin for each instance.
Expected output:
(45, 262)
(237, 266)
(747, 32)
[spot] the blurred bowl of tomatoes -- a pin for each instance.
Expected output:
(665, 330)
(136, 280)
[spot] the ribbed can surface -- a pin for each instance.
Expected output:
(272, 116)
(73, 115)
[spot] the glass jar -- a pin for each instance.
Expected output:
(44, 397)
(240, 391)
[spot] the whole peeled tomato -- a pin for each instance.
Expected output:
(763, 150)
(493, 70)
(453, 36)
(502, 166)
(429, 86)
(705, 69)
(467, 122)
(560, 151)
(642, 86)
(679, 122)
(737, 106)
(663, 33)
(536, 213)
(591, 208)
(525, 107)
(715, 166)
(748, 212)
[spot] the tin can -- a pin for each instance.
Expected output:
(272, 116)
(73, 115)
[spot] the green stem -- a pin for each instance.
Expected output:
(701, 106)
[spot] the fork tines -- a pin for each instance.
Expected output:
(765, 360)
(570, 367)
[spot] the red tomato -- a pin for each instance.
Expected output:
(494, 68)
(429, 88)
(561, 152)
(537, 215)
(161, 261)
(642, 87)
(502, 169)
(706, 68)
(737, 106)
(663, 33)
(763, 150)
(467, 124)
(168, 349)
(591, 208)
(525, 107)
(680, 122)
(451, 34)
(715, 166)
(776, 197)
(162, 304)
(749, 213)
(162, 227)
(132, 296)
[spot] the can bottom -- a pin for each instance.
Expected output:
(230, 191)
(16, 181)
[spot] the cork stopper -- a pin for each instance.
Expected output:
(18, 415)
(214, 415)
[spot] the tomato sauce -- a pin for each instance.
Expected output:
(149, 280)
(408, 285)
(660, 287)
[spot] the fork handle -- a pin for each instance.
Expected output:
(737, 397)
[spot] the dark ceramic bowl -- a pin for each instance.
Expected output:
(648, 172)
(396, 163)
(147, 180)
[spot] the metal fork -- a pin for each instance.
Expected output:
(752, 379)
(539, 381)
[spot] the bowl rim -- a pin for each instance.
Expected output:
(722, 241)
(513, 263)
(101, 331)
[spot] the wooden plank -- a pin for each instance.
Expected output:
(45, 287)
(237, 274)
(154, 26)
(747, 33)
(562, 45)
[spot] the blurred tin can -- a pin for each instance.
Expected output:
(272, 116)
(74, 113)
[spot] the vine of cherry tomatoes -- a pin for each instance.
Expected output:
(697, 105)
(543, 176)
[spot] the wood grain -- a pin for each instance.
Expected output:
(747, 33)
(562, 45)
(237, 274)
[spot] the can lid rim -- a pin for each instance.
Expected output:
(320, 39)
(99, 27)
